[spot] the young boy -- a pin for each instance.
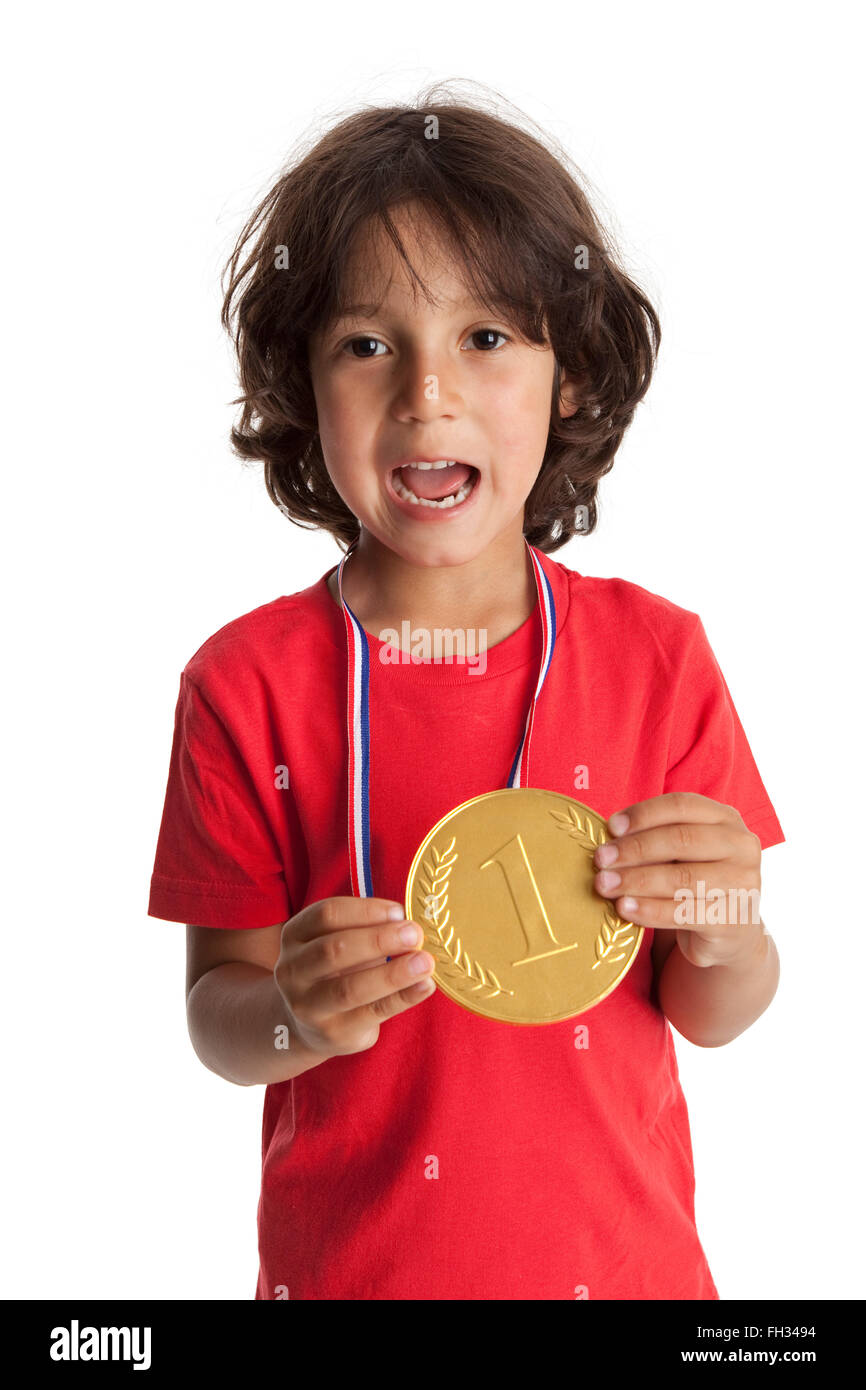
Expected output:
(412, 1149)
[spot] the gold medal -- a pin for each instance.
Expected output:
(503, 889)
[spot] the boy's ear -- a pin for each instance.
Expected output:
(570, 394)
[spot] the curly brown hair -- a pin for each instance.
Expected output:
(515, 214)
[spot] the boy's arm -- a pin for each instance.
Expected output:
(675, 852)
(235, 1014)
(712, 1005)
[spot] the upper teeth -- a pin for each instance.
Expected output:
(440, 463)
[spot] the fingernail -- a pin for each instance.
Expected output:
(606, 854)
(629, 904)
(608, 880)
(395, 913)
(618, 824)
(410, 934)
(420, 962)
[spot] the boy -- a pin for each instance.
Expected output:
(411, 1149)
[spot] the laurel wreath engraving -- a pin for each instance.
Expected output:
(467, 974)
(581, 828)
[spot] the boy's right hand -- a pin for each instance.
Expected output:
(334, 976)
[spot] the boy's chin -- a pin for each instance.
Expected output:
(434, 548)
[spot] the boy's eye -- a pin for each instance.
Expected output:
(490, 333)
(354, 341)
(371, 341)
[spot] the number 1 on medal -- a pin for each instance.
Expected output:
(537, 931)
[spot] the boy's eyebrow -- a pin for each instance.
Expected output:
(362, 311)
(358, 311)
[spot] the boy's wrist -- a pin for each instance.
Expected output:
(754, 953)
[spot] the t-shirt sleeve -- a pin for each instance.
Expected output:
(218, 862)
(709, 751)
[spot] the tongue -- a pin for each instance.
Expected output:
(435, 483)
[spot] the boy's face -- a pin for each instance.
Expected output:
(438, 382)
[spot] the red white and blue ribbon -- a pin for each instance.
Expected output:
(358, 720)
(358, 703)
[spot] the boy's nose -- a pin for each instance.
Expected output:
(427, 389)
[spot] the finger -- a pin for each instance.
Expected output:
(338, 914)
(663, 880)
(344, 993)
(354, 948)
(389, 1005)
(739, 910)
(666, 844)
(669, 808)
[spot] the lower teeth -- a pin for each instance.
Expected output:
(442, 502)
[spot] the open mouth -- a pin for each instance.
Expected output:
(442, 485)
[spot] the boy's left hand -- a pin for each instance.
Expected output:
(671, 842)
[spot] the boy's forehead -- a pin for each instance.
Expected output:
(376, 274)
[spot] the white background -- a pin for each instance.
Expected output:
(721, 144)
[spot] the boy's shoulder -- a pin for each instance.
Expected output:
(253, 641)
(621, 604)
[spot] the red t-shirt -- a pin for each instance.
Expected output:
(459, 1157)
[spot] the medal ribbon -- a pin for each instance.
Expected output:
(358, 720)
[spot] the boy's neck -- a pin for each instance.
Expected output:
(496, 591)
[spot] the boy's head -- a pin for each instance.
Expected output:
(430, 283)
